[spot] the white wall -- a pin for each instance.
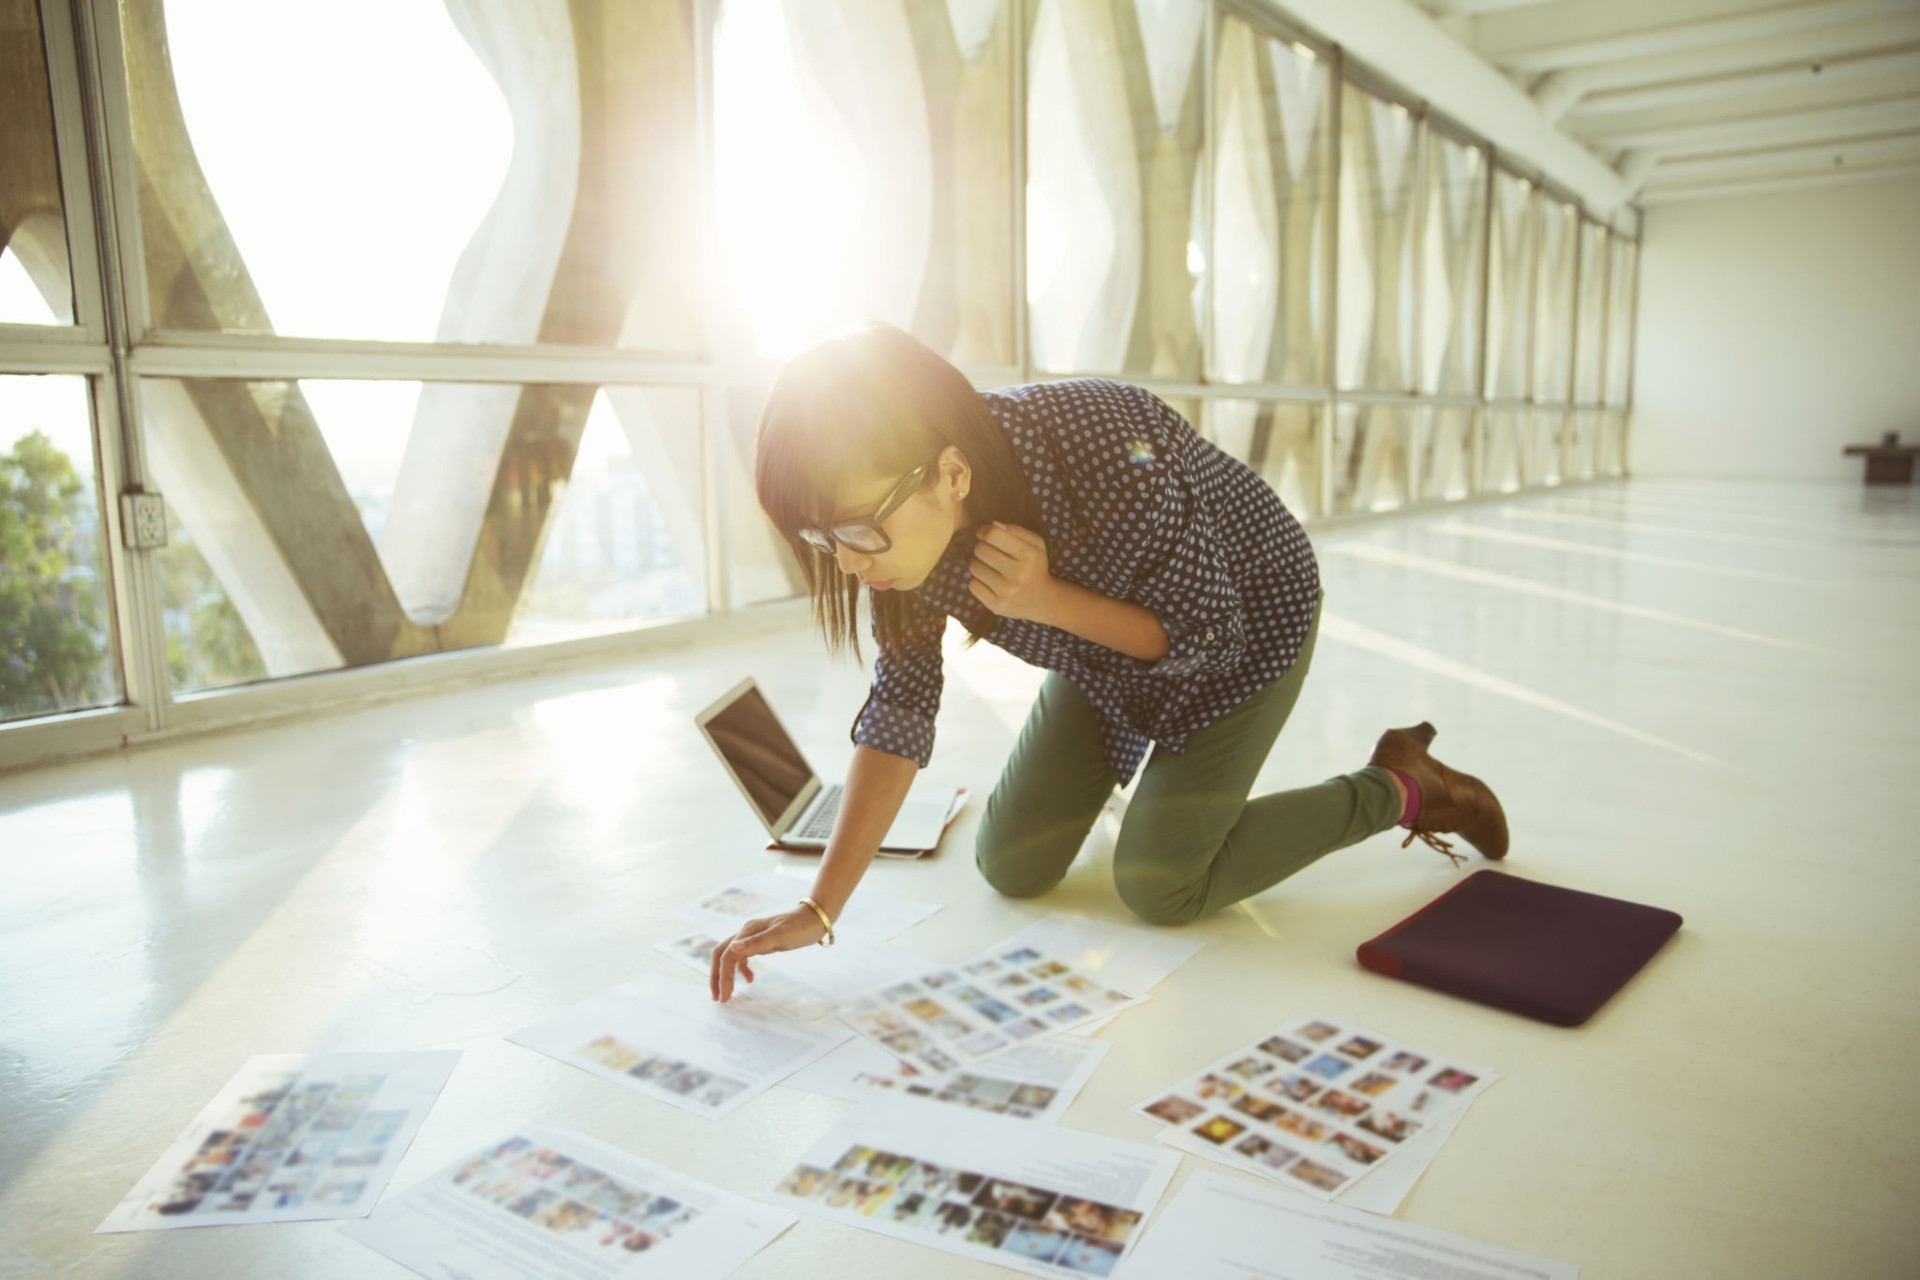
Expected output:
(1776, 328)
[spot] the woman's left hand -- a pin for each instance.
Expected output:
(1010, 574)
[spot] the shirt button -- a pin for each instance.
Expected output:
(1209, 637)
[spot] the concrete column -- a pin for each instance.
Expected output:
(301, 557)
(965, 57)
(1553, 306)
(32, 224)
(635, 83)
(1376, 195)
(858, 68)
(499, 292)
(1294, 90)
(206, 493)
(653, 225)
(1512, 270)
(1158, 45)
(1085, 244)
(1243, 255)
(1453, 256)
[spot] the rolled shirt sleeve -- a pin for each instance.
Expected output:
(1202, 647)
(908, 678)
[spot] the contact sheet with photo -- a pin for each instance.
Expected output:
(1037, 1198)
(1035, 1081)
(666, 1038)
(290, 1138)
(1316, 1105)
(1119, 955)
(947, 1019)
(548, 1204)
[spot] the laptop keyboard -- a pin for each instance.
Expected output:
(819, 823)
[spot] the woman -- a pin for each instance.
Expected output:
(1084, 527)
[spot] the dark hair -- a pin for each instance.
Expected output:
(873, 401)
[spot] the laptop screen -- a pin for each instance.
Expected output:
(762, 756)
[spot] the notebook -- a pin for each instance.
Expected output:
(1535, 949)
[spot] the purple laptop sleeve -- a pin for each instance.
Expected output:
(1534, 949)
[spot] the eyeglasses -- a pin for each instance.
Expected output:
(863, 533)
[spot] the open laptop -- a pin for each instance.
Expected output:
(786, 793)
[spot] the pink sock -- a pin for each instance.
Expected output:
(1410, 813)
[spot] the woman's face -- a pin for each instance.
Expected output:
(920, 528)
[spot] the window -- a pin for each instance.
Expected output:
(1370, 456)
(1553, 303)
(1510, 286)
(1455, 248)
(1589, 366)
(1272, 208)
(321, 524)
(1114, 236)
(453, 332)
(1379, 168)
(865, 170)
(481, 182)
(1280, 441)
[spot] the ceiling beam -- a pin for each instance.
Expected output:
(1562, 91)
(1404, 43)
(1468, 8)
(1800, 74)
(1652, 41)
(1887, 115)
(1802, 157)
(1768, 186)
(1636, 167)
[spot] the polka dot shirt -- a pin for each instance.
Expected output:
(1136, 506)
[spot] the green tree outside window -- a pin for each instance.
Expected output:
(51, 653)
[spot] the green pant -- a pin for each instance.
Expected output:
(1192, 841)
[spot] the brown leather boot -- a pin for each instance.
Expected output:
(1449, 800)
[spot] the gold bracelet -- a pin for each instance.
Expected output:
(824, 922)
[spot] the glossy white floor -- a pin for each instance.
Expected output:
(1695, 694)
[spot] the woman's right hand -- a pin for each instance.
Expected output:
(799, 927)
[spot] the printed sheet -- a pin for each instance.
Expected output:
(1037, 1080)
(1037, 1198)
(290, 1138)
(950, 1019)
(807, 981)
(1219, 1228)
(1117, 954)
(1316, 1105)
(547, 1204)
(665, 1037)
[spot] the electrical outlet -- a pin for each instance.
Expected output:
(143, 521)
